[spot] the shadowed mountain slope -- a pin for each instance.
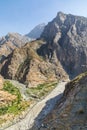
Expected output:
(70, 112)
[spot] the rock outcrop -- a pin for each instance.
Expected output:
(70, 113)
(66, 38)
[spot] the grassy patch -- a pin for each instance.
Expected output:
(41, 90)
(17, 105)
(3, 110)
(12, 90)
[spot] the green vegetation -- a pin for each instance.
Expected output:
(17, 108)
(41, 90)
(12, 89)
(17, 105)
(3, 110)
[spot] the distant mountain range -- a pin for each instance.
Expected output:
(15, 40)
(36, 32)
(11, 41)
(12, 37)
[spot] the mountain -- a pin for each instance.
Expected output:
(25, 65)
(36, 32)
(11, 41)
(60, 52)
(70, 112)
(65, 47)
(67, 39)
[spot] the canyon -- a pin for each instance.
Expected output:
(58, 55)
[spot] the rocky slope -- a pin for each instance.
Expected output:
(36, 32)
(11, 41)
(26, 66)
(70, 113)
(67, 39)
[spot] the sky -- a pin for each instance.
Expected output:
(23, 15)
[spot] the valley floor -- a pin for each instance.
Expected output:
(41, 109)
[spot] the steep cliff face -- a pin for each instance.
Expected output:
(26, 66)
(70, 113)
(66, 37)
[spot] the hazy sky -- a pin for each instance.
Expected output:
(22, 15)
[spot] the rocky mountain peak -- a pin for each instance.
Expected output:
(67, 38)
(61, 16)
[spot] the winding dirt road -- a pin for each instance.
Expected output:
(39, 110)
